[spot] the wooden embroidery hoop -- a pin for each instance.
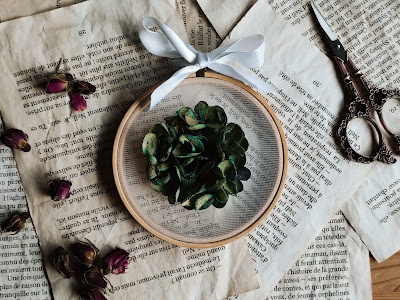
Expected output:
(138, 107)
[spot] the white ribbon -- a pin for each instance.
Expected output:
(248, 51)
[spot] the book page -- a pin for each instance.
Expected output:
(22, 275)
(371, 35)
(308, 101)
(78, 147)
(10, 10)
(201, 34)
(334, 266)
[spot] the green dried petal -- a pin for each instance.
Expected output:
(230, 188)
(234, 159)
(178, 173)
(206, 167)
(187, 161)
(158, 130)
(197, 127)
(221, 153)
(215, 117)
(232, 133)
(244, 143)
(233, 148)
(149, 145)
(241, 162)
(162, 180)
(216, 186)
(173, 197)
(188, 115)
(163, 166)
(228, 169)
(203, 201)
(200, 109)
(239, 185)
(152, 172)
(163, 189)
(220, 198)
(171, 131)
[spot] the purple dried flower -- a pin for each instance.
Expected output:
(85, 253)
(15, 223)
(95, 278)
(16, 139)
(77, 101)
(93, 294)
(85, 87)
(58, 83)
(116, 261)
(59, 189)
(64, 263)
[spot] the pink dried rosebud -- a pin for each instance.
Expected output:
(77, 101)
(85, 87)
(16, 139)
(92, 294)
(85, 253)
(15, 223)
(116, 261)
(64, 263)
(59, 189)
(58, 83)
(95, 278)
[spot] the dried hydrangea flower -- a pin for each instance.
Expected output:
(77, 101)
(15, 223)
(92, 294)
(16, 139)
(60, 189)
(95, 278)
(85, 253)
(65, 264)
(196, 157)
(116, 261)
(59, 83)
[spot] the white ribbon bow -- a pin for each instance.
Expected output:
(249, 51)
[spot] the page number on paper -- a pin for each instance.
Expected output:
(82, 32)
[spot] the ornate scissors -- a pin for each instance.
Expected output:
(364, 98)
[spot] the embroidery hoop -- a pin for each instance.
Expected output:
(124, 178)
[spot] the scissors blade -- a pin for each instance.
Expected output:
(332, 40)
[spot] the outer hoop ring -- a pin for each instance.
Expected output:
(140, 104)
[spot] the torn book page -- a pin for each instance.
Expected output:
(78, 146)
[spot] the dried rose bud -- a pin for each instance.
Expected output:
(59, 189)
(58, 83)
(77, 101)
(95, 278)
(64, 263)
(116, 261)
(93, 294)
(16, 139)
(85, 87)
(15, 223)
(85, 253)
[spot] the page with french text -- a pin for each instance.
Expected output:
(308, 101)
(78, 146)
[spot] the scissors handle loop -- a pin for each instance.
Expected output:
(363, 99)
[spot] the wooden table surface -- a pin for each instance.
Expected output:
(386, 278)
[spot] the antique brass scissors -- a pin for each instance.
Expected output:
(364, 99)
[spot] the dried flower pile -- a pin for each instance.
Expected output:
(196, 158)
(84, 263)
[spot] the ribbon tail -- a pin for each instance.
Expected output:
(166, 87)
(233, 72)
